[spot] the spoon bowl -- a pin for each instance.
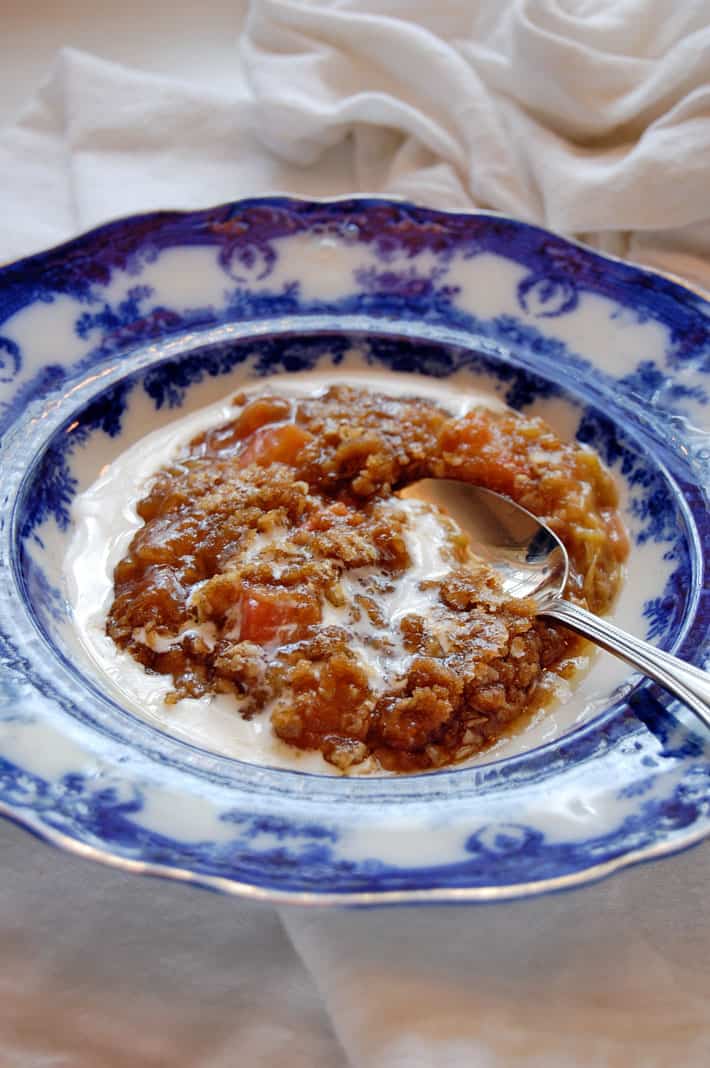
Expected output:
(532, 562)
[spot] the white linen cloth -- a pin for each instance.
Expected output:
(590, 117)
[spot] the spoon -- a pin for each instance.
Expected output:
(531, 561)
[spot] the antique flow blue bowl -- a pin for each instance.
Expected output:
(130, 326)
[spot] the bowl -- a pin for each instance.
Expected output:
(134, 326)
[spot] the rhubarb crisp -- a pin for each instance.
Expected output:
(277, 564)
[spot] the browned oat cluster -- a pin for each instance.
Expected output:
(273, 546)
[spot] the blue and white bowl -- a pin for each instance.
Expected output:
(133, 325)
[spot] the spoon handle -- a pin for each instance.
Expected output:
(689, 684)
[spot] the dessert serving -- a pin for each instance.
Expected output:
(276, 564)
(124, 346)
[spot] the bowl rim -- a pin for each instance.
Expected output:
(132, 365)
(585, 875)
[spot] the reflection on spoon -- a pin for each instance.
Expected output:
(532, 562)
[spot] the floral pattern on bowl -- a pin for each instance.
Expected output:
(131, 325)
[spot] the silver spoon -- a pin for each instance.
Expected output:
(533, 562)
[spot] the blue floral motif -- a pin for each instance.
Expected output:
(656, 507)
(46, 599)
(130, 322)
(277, 827)
(10, 359)
(53, 486)
(49, 378)
(245, 234)
(245, 261)
(409, 284)
(647, 381)
(302, 860)
(73, 798)
(503, 839)
(656, 510)
(108, 320)
(548, 296)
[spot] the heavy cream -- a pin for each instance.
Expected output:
(411, 593)
(105, 520)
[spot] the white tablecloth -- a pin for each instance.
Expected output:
(588, 117)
